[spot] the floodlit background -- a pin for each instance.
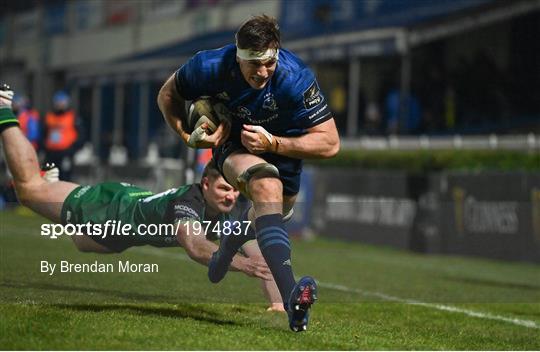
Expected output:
(463, 67)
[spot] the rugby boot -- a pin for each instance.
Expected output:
(303, 295)
(50, 172)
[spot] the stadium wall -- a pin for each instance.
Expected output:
(488, 214)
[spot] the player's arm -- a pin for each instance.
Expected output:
(310, 113)
(172, 106)
(269, 287)
(200, 250)
(320, 141)
(190, 82)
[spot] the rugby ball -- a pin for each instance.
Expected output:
(202, 111)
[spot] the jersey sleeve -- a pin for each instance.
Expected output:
(309, 104)
(192, 79)
(188, 207)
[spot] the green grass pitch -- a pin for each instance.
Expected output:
(370, 298)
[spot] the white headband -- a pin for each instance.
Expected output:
(248, 54)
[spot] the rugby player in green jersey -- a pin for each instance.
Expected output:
(188, 207)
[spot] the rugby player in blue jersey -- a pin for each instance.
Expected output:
(279, 117)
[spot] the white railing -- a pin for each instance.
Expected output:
(479, 142)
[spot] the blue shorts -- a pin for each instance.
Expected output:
(289, 168)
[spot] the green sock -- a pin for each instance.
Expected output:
(7, 119)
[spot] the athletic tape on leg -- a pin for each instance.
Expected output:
(260, 170)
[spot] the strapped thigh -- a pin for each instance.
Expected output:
(259, 170)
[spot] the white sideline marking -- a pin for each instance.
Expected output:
(471, 313)
(468, 312)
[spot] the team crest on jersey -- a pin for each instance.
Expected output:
(312, 96)
(243, 112)
(223, 96)
(269, 102)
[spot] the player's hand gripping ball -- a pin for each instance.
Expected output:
(204, 117)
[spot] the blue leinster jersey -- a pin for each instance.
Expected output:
(290, 103)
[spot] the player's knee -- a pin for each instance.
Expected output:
(28, 192)
(25, 194)
(267, 189)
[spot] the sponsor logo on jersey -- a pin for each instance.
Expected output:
(269, 102)
(182, 211)
(81, 192)
(243, 112)
(260, 121)
(287, 262)
(312, 96)
(316, 113)
(156, 196)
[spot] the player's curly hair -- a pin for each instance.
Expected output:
(259, 33)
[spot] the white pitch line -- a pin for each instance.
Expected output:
(468, 312)
(384, 296)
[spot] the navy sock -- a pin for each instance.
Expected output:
(276, 249)
(229, 245)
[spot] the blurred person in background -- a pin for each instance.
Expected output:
(403, 114)
(61, 134)
(373, 118)
(28, 118)
(279, 117)
(203, 157)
